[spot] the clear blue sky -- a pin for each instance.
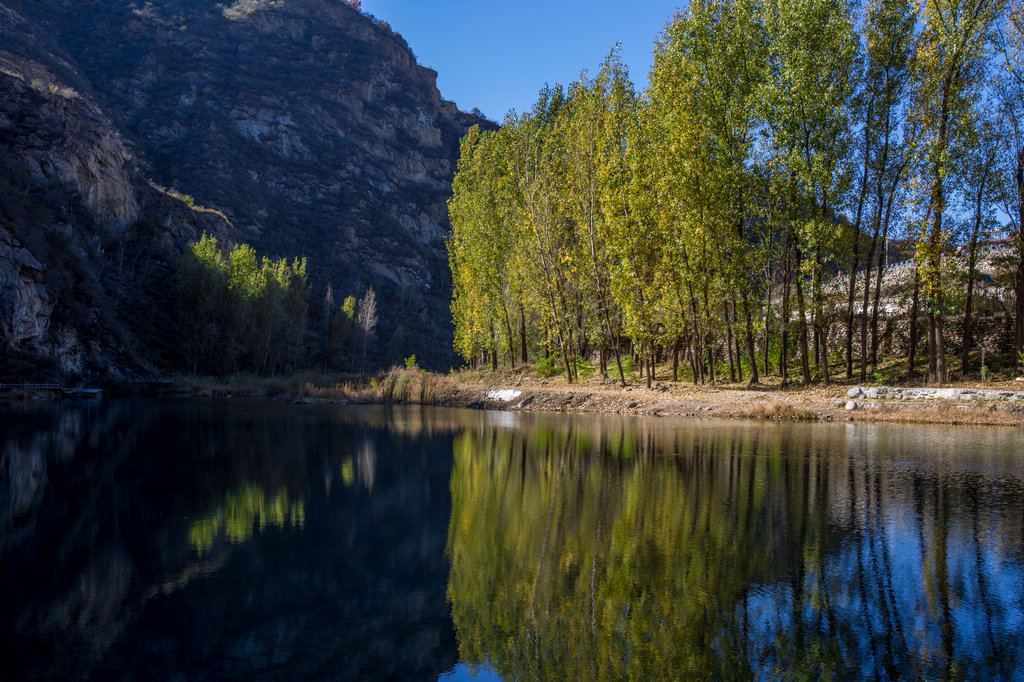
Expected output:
(497, 55)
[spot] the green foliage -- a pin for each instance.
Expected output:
(242, 311)
(584, 370)
(683, 220)
(410, 362)
(340, 349)
(546, 367)
(244, 512)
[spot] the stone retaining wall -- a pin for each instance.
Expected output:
(892, 393)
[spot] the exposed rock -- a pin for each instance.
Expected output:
(61, 134)
(925, 393)
(309, 124)
(25, 305)
(851, 405)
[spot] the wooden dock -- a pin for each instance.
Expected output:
(66, 391)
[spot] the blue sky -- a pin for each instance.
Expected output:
(498, 55)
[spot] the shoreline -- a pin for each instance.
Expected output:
(523, 392)
(965, 404)
(810, 404)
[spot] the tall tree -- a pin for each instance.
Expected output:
(1010, 86)
(808, 102)
(366, 321)
(952, 55)
(889, 44)
(888, 41)
(979, 177)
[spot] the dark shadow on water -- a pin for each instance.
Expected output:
(222, 540)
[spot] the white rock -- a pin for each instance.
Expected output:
(854, 392)
(851, 405)
(504, 395)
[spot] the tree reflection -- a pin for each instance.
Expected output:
(245, 511)
(593, 551)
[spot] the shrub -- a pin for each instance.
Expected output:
(583, 368)
(546, 367)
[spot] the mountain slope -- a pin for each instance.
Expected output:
(85, 241)
(310, 125)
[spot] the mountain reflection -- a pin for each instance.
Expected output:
(599, 549)
(223, 540)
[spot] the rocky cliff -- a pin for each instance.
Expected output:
(75, 220)
(310, 125)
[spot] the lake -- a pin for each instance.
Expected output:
(247, 539)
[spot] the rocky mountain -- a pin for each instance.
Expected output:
(308, 126)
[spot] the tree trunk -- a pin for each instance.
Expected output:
(933, 366)
(805, 364)
(728, 341)
(864, 302)
(879, 274)
(1018, 288)
(675, 360)
(914, 303)
(787, 276)
(940, 350)
(692, 354)
(522, 336)
(821, 323)
(972, 259)
(1018, 333)
(854, 261)
(767, 334)
(933, 254)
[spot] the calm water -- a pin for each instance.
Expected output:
(258, 540)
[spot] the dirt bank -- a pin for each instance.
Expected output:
(728, 401)
(526, 391)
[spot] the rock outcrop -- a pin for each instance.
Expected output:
(310, 125)
(73, 211)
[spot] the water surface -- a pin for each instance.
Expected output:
(254, 539)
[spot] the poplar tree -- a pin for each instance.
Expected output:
(951, 58)
(1009, 84)
(889, 45)
(807, 106)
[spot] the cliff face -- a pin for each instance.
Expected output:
(75, 217)
(310, 125)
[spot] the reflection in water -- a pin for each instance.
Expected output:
(252, 539)
(223, 539)
(596, 550)
(244, 512)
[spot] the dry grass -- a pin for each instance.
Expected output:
(947, 413)
(397, 385)
(780, 411)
